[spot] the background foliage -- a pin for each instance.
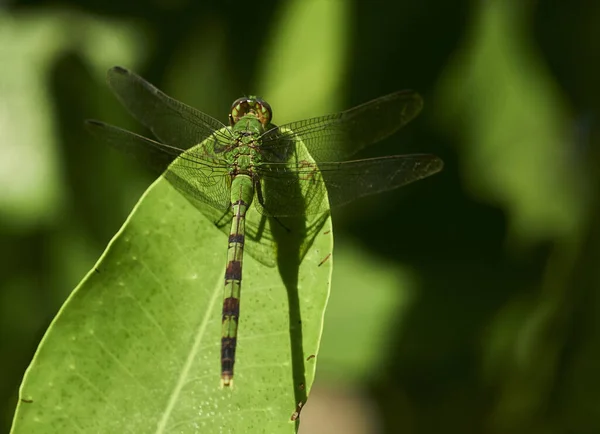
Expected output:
(466, 303)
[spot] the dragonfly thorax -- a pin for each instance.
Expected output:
(243, 155)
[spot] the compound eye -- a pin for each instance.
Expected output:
(250, 104)
(266, 106)
(238, 109)
(238, 102)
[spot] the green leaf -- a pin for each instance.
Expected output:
(32, 194)
(136, 347)
(303, 72)
(503, 102)
(352, 349)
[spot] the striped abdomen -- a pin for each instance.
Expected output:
(242, 191)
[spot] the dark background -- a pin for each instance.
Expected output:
(465, 303)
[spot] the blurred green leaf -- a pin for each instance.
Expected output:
(518, 153)
(305, 61)
(359, 321)
(33, 193)
(136, 347)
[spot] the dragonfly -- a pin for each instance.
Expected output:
(252, 162)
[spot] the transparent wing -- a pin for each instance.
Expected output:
(171, 121)
(341, 135)
(297, 190)
(199, 177)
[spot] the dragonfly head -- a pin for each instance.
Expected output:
(251, 105)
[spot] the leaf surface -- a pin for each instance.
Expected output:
(135, 349)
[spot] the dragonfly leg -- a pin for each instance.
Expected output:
(223, 220)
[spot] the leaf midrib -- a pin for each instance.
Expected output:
(195, 348)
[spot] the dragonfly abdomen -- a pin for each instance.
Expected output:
(242, 192)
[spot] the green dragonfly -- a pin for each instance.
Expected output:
(253, 162)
